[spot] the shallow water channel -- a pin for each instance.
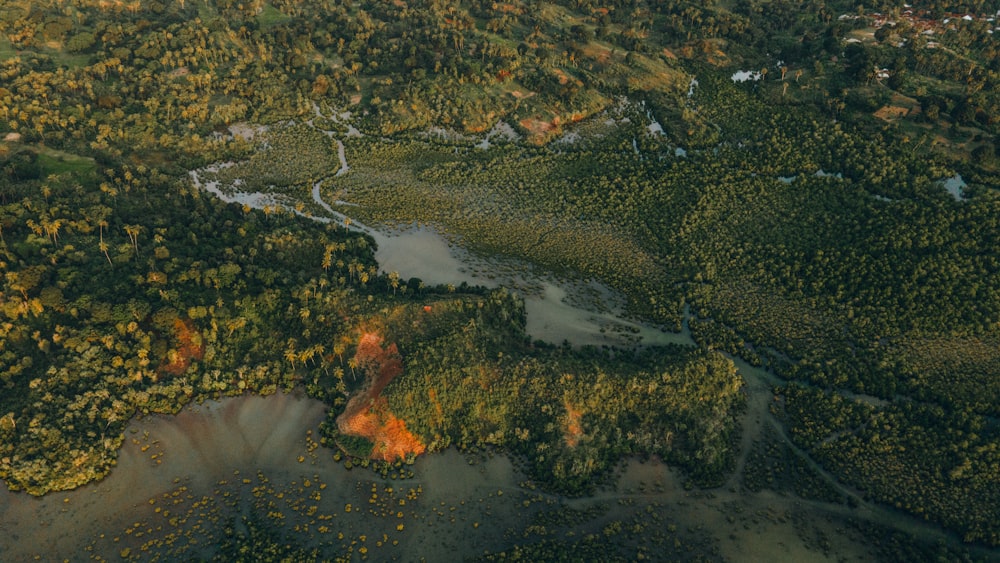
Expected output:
(578, 312)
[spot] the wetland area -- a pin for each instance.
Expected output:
(237, 467)
(287, 280)
(185, 484)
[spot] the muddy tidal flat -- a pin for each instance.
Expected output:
(186, 486)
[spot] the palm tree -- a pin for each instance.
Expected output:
(103, 245)
(327, 257)
(317, 350)
(52, 229)
(133, 235)
(394, 281)
(290, 353)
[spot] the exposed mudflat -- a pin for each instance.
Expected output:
(183, 480)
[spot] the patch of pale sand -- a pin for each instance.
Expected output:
(246, 131)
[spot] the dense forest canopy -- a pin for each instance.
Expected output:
(797, 220)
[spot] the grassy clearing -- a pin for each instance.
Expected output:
(270, 16)
(7, 50)
(206, 12)
(58, 162)
(63, 58)
(70, 61)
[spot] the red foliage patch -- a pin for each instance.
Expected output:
(380, 365)
(367, 414)
(189, 346)
(574, 425)
(386, 431)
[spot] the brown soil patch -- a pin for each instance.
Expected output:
(538, 129)
(367, 414)
(904, 101)
(650, 82)
(889, 113)
(597, 52)
(189, 346)
(899, 106)
(508, 9)
(718, 59)
(574, 425)
(380, 365)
